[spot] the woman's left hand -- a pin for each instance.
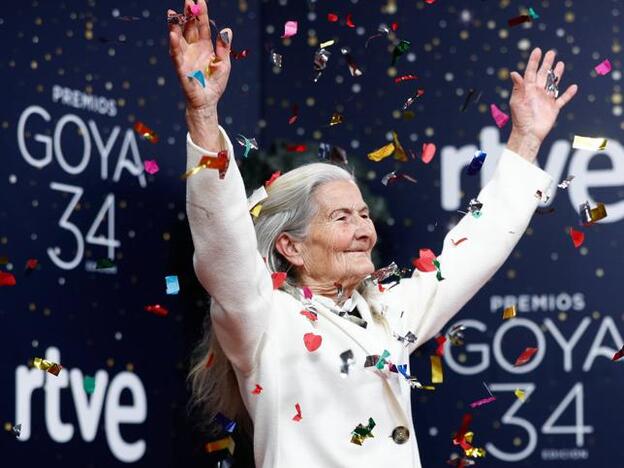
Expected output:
(534, 110)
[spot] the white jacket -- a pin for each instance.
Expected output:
(261, 330)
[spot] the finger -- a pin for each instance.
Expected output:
(542, 74)
(204, 21)
(518, 82)
(191, 30)
(224, 44)
(531, 68)
(559, 69)
(567, 96)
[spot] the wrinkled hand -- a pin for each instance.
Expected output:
(191, 48)
(533, 110)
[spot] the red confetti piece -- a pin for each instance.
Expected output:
(210, 361)
(257, 390)
(7, 279)
(239, 55)
(459, 241)
(400, 79)
(297, 417)
(440, 349)
(350, 22)
(332, 17)
(146, 132)
(380, 287)
(296, 148)
(295, 114)
(578, 237)
(518, 20)
(459, 437)
(157, 309)
(273, 178)
(311, 316)
(428, 152)
(312, 341)
(525, 357)
(279, 278)
(394, 26)
(425, 261)
(31, 263)
(430, 2)
(618, 355)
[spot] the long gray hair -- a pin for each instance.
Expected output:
(290, 207)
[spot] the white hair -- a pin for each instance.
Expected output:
(290, 207)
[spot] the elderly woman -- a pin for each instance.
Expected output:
(316, 358)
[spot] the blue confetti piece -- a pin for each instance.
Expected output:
(173, 287)
(199, 76)
(476, 163)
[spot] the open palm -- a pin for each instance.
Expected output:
(191, 49)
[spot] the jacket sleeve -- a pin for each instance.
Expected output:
(509, 201)
(226, 259)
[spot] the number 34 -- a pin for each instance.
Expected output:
(108, 208)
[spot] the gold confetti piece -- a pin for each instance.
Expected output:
(594, 144)
(509, 312)
(45, 365)
(255, 211)
(519, 394)
(381, 153)
(399, 152)
(475, 452)
(437, 375)
(329, 43)
(225, 443)
(336, 119)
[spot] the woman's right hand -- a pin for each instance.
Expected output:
(191, 49)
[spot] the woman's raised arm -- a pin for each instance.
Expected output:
(226, 259)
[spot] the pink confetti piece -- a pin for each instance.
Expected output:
(499, 116)
(290, 29)
(603, 67)
(151, 166)
(307, 292)
(428, 152)
(195, 9)
(483, 401)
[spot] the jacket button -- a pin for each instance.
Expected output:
(400, 434)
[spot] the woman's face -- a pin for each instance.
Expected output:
(341, 237)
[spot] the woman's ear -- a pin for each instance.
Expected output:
(289, 249)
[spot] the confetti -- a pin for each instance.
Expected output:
(276, 59)
(428, 152)
(439, 277)
(347, 361)
(297, 417)
(578, 237)
(591, 215)
(400, 49)
(321, 57)
(408, 339)
(210, 360)
(332, 17)
(151, 166)
(220, 162)
(382, 360)
(45, 365)
(618, 355)
(224, 424)
(258, 196)
(483, 401)
(336, 119)
(179, 19)
(499, 116)
(279, 278)
(525, 357)
(456, 243)
(239, 55)
(257, 390)
(518, 20)
(353, 68)
(312, 342)
(402, 78)
(311, 316)
(603, 67)
(382, 30)
(31, 264)
(17, 430)
(290, 29)
(349, 21)
(157, 309)
(147, 133)
(477, 162)
(7, 279)
(382, 153)
(361, 432)
(195, 9)
(273, 178)
(533, 14)
(88, 383)
(327, 44)
(294, 114)
(472, 96)
(519, 394)
(565, 183)
(307, 292)
(420, 92)
(221, 444)
(247, 143)
(437, 375)
(588, 143)
(551, 84)
(440, 340)
(173, 286)
(509, 312)
(199, 76)
(424, 262)
(456, 334)
(394, 176)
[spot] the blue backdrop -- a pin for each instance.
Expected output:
(77, 76)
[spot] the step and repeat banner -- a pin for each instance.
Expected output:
(95, 253)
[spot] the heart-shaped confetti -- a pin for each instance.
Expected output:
(312, 342)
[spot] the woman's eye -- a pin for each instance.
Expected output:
(342, 218)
